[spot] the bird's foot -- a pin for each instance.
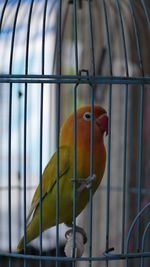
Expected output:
(84, 182)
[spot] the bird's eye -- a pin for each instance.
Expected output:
(87, 116)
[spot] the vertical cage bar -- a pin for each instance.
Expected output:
(75, 173)
(124, 170)
(108, 174)
(25, 124)
(75, 34)
(9, 171)
(41, 127)
(140, 131)
(75, 126)
(92, 128)
(146, 12)
(108, 37)
(56, 38)
(40, 170)
(58, 64)
(109, 130)
(140, 156)
(19, 159)
(125, 125)
(2, 14)
(123, 37)
(2, 131)
(25, 163)
(57, 171)
(10, 131)
(143, 241)
(91, 33)
(137, 36)
(91, 174)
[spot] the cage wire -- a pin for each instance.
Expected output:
(55, 57)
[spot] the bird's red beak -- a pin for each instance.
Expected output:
(102, 122)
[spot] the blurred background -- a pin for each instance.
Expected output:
(121, 48)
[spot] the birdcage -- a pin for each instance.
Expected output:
(57, 56)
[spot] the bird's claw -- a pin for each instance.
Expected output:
(84, 182)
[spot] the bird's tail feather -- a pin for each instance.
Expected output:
(32, 232)
(20, 245)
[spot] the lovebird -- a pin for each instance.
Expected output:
(66, 172)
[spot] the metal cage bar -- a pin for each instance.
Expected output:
(75, 36)
(125, 125)
(140, 134)
(107, 248)
(58, 66)
(91, 36)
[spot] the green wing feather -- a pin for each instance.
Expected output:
(49, 176)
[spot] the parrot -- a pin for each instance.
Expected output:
(83, 181)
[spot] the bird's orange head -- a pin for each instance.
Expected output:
(83, 126)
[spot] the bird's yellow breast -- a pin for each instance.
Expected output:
(66, 184)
